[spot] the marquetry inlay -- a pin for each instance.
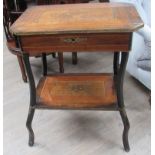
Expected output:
(78, 18)
(78, 91)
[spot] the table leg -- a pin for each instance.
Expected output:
(74, 58)
(29, 125)
(60, 57)
(119, 85)
(32, 98)
(126, 129)
(44, 60)
(116, 62)
(54, 55)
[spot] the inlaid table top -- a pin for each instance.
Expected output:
(78, 18)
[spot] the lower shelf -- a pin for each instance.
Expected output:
(77, 91)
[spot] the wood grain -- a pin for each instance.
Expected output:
(77, 91)
(83, 42)
(78, 18)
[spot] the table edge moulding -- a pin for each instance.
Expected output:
(75, 18)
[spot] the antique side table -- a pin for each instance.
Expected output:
(104, 27)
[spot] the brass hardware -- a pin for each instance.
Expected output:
(74, 40)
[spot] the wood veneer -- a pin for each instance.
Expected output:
(92, 27)
(83, 42)
(77, 91)
(75, 18)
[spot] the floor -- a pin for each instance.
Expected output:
(73, 132)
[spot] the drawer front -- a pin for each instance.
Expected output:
(76, 42)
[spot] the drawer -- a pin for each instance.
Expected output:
(76, 42)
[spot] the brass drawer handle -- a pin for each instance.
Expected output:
(74, 40)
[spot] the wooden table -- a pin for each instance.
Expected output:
(79, 27)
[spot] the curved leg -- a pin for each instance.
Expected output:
(74, 58)
(22, 68)
(29, 126)
(32, 98)
(119, 85)
(60, 57)
(126, 130)
(44, 60)
(116, 63)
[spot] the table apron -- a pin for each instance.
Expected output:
(109, 42)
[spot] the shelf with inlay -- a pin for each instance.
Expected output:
(76, 91)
